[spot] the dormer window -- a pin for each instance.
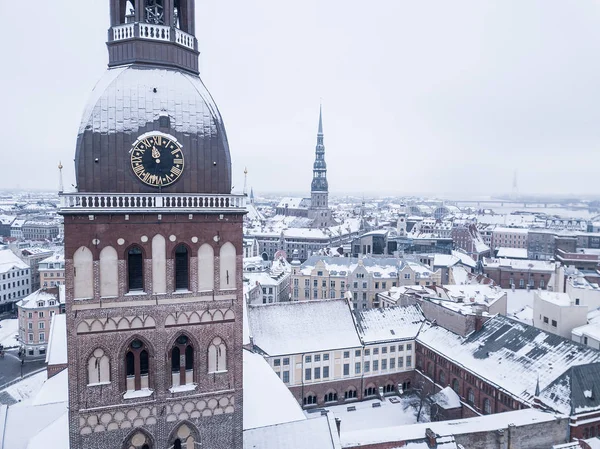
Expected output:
(40, 304)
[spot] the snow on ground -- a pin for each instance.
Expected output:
(394, 411)
(518, 299)
(8, 333)
(28, 387)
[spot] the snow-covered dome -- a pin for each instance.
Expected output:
(133, 100)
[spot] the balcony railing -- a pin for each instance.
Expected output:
(141, 202)
(153, 32)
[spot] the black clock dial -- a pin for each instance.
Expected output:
(157, 159)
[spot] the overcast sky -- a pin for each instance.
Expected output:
(418, 96)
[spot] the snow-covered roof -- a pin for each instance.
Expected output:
(42, 412)
(512, 253)
(512, 230)
(317, 433)
(485, 423)
(446, 398)
(390, 323)
(465, 259)
(519, 265)
(509, 354)
(344, 266)
(281, 407)
(9, 261)
(302, 327)
(445, 260)
(294, 203)
(39, 298)
(556, 298)
(575, 391)
(57, 343)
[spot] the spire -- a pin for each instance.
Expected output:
(319, 182)
(320, 119)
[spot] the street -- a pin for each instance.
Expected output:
(10, 366)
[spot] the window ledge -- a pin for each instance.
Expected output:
(136, 293)
(182, 292)
(143, 393)
(98, 383)
(182, 388)
(217, 372)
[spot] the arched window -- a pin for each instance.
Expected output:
(217, 356)
(522, 283)
(83, 276)
(206, 268)
(487, 406)
(227, 260)
(159, 264)
(182, 268)
(331, 396)
(139, 440)
(135, 269)
(182, 362)
(371, 390)
(455, 386)
(309, 399)
(109, 272)
(389, 388)
(350, 393)
(184, 438)
(137, 366)
(471, 396)
(98, 368)
(442, 378)
(406, 385)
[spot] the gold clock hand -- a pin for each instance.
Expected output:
(155, 153)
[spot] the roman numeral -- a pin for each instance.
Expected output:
(175, 151)
(136, 159)
(157, 140)
(176, 171)
(178, 161)
(147, 143)
(138, 170)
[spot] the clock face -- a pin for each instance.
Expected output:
(157, 159)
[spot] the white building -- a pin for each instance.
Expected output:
(557, 313)
(583, 292)
(15, 279)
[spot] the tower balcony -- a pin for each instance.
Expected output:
(152, 32)
(149, 43)
(111, 203)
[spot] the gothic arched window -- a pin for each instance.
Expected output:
(182, 362)
(135, 269)
(98, 368)
(217, 356)
(182, 268)
(137, 366)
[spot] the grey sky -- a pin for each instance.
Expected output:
(442, 97)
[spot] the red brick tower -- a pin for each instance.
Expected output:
(153, 248)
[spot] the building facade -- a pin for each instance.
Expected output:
(319, 211)
(52, 271)
(153, 248)
(15, 279)
(35, 314)
(508, 273)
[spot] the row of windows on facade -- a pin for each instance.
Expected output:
(51, 275)
(14, 274)
(15, 284)
(323, 372)
(41, 337)
(134, 258)
(351, 393)
(531, 283)
(15, 295)
(137, 363)
(54, 283)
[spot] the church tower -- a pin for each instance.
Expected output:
(153, 248)
(319, 189)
